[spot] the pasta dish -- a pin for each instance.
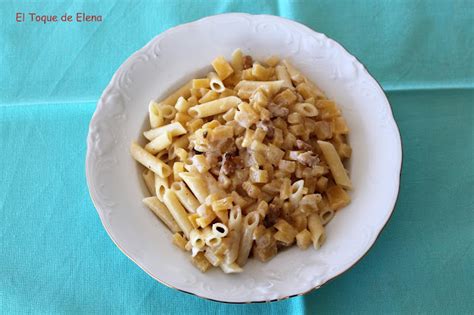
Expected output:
(245, 162)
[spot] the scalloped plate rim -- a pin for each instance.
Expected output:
(121, 69)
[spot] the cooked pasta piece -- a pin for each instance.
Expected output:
(338, 197)
(222, 67)
(167, 111)
(177, 211)
(231, 268)
(295, 75)
(197, 240)
(162, 212)
(149, 178)
(159, 143)
(196, 184)
(186, 198)
(149, 161)
(282, 74)
(303, 239)
(335, 164)
(286, 232)
(215, 107)
(179, 241)
(200, 83)
(212, 257)
(174, 129)
(208, 96)
(161, 184)
(220, 230)
(215, 82)
(237, 60)
(183, 91)
(245, 88)
(201, 262)
(250, 224)
(156, 117)
(316, 228)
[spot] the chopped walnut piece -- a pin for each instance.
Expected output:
(308, 158)
(228, 166)
(278, 111)
(231, 162)
(267, 126)
(301, 145)
(272, 216)
(323, 130)
(239, 163)
(229, 146)
(247, 62)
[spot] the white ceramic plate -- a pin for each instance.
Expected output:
(184, 52)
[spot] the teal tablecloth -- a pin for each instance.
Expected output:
(55, 256)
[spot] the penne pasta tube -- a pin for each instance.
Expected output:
(261, 73)
(149, 178)
(335, 164)
(303, 239)
(167, 111)
(220, 230)
(214, 188)
(223, 248)
(156, 118)
(205, 221)
(326, 215)
(174, 129)
(236, 61)
(182, 105)
(179, 241)
(230, 268)
(306, 109)
(159, 143)
(316, 228)
(215, 107)
(222, 67)
(210, 238)
(235, 227)
(245, 89)
(215, 82)
(149, 161)
(178, 167)
(161, 184)
(183, 91)
(195, 237)
(181, 142)
(283, 75)
(177, 211)
(201, 262)
(297, 189)
(211, 256)
(250, 224)
(295, 75)
(186, 198)
(318, 94)
(222, 204)
(193, 219)
(208, 97)
(200, 83)
(162, 212)
(337, 197)
(196, 184)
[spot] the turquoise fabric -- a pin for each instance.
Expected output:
(55, 256)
